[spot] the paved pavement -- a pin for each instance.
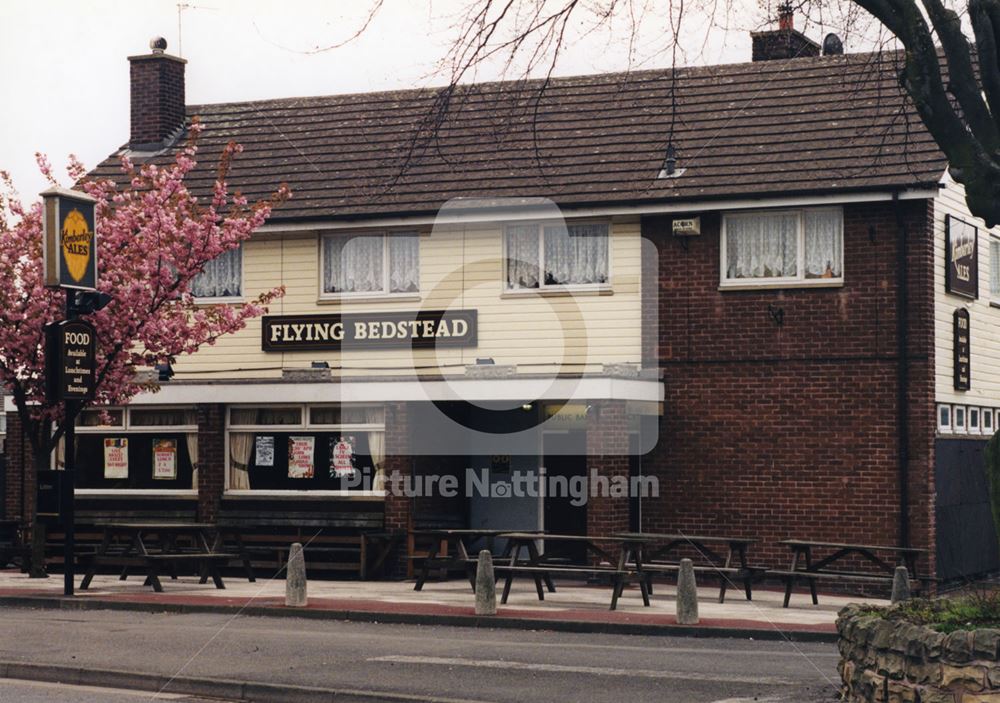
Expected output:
(424, 663)
(18, 691)
(573, 602)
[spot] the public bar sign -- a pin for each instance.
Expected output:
(70, 252)
(423, 329)
(963, 349)
(962, 258)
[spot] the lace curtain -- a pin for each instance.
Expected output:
(222, 277)
(240, 447)
(576, 254)
(404, 263)
(824, 250)
(762, 245)
(995, 268)
(376, 445)
(353, 264)
(522, 256)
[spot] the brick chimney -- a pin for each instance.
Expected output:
(785, 42)
(157, 81)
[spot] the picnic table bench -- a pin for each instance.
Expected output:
(805, 568)
(155, 546)
(648, 552)
(536, 565)
(449, 549)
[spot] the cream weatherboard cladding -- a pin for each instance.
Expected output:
(460, 267)
(985, 319)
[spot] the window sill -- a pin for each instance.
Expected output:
(137, 492)
(779, 285)
(374, 298)
(233, 300)
(995, 304)
(304, 495)
(555, 292)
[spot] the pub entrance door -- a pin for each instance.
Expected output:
(564, 458)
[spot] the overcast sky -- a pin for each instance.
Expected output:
(65, 83)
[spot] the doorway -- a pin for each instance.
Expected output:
(564, 458)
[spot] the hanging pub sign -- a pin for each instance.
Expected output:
(70, 251)
(422, 329)
(963, 350)
(961, 258)
(71, 360)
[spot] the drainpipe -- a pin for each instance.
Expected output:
(902, 371)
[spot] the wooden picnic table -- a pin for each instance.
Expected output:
(804, 567)
(535, 563)
(455, 543)
(645, 551)
(154, 545)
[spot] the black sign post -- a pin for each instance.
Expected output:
(70, 262)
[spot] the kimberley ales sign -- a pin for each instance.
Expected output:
(962, 255)
(427, 328)
(70, 252)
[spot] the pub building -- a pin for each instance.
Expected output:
(753, 282)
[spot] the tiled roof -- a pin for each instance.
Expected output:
(826, 124)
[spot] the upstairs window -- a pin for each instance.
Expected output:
(371, 264)
(222, 277)
(995, 269)
(783, 247)
(543, 256)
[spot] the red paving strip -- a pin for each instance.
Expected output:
(428, 609)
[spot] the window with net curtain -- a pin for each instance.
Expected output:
(222, 277)
(790, 245)
(371, 263)
(556, 255)
(995, 269)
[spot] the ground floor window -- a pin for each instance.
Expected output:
(314, 448)
(144, 448)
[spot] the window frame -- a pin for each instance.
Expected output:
(304, 426)
(550, 288)
(943, 426)
(212, 299)
(385, 293)
(955, 427)
(983, 414)
(126, 427)
(994, 297)
(798, 281)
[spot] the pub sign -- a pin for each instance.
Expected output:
(70, 252)
(423, 329)
(961, 258)
(963, 350)
(71, 360)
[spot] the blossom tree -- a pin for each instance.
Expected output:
(154, 238)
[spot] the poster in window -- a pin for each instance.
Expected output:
(300, 457)
(341, 457)
(265, 450)
(164, 459)
(116, 457)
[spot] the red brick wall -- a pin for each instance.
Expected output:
(157, 99)
(607, 456)
(397, 459)
(211, 460)
(790, 431)
(18, 452)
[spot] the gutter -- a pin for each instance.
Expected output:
(902, 371)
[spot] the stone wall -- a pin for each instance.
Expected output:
(893, 661)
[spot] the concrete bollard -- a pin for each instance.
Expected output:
(900, 585)
(295, 578)
(687, 594)
(486, 585)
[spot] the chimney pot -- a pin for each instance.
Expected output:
(158, 45)
(786, 17)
